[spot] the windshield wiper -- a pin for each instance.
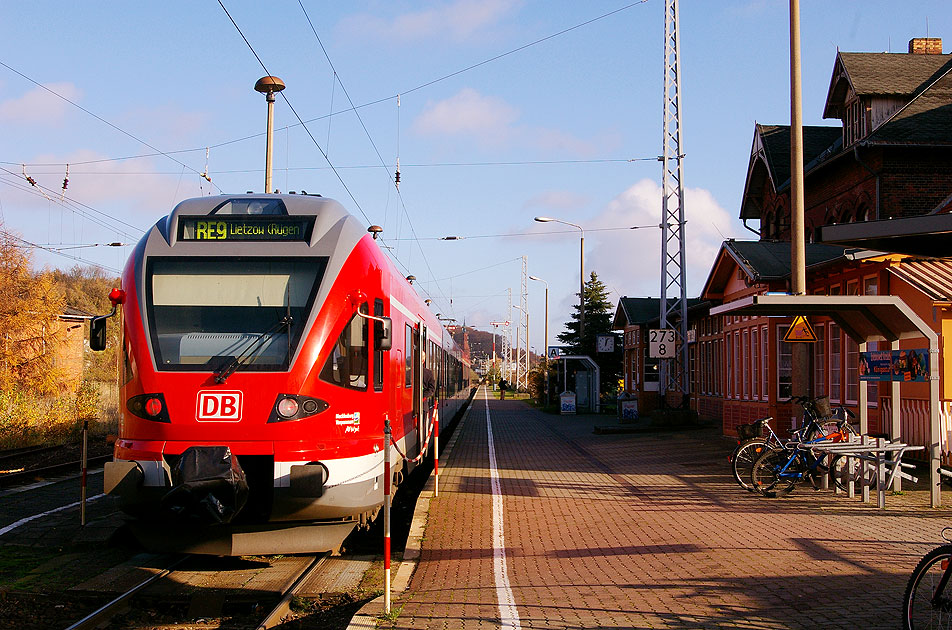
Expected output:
(232, 366)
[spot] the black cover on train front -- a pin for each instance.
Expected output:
(208, 486)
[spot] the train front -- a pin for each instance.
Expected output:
(227, 425)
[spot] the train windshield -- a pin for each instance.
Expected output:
(203, 313)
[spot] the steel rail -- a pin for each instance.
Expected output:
(97, 617)
(274, 618)
(12, 477)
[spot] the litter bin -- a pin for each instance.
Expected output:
(567, 403)
(627, 410)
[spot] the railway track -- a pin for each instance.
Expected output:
(19, 476)
(309, 566)
(14, 453)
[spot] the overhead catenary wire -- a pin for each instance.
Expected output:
(348, 166)
(381, 100)
(519, 234)
(393, 178)
(69, 203)
(96, 116)
(13, 236)
(306, 129)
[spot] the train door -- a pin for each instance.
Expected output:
(419, 405)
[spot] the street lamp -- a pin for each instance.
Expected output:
(545, 346)
(581, 280)
(269, 86)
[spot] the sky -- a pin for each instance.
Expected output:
(507, 110)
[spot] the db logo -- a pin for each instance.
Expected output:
(219, 406)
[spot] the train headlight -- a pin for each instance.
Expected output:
(287, 407)
(296, 407)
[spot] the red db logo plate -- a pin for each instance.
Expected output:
(219, 406)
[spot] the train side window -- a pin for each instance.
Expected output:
(378, 354)
(347, 364)
(408, 355)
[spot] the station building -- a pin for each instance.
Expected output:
(889, 159)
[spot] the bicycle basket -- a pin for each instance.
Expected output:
(823, 409)
(749, 431)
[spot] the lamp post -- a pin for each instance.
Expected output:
(268, 86)
(545, 345)
(581, 280)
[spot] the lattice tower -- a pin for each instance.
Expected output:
(674, 301)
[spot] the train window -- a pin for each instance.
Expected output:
(207, 312)
(378, 354)
(251, 206)
(347, 364)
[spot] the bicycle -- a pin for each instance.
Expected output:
(779, 470)
(743, 457)
(927, 602)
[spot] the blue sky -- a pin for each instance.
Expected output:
(568, 127)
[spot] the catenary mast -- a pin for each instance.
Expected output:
(674, 301)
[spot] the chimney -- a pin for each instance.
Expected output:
(925, 46)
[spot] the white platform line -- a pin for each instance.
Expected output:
(22, 521)
(508, 615)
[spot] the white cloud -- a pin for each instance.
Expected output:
(39, 105)
(557, 199)
(485, 119)
(492, 122)
(461, 20)
(629, 261)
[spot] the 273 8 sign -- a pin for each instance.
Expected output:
(661, 343)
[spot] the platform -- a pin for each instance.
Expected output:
(540, 523)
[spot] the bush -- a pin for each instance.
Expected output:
(27, 419)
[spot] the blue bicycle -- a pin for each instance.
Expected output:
(777, 471)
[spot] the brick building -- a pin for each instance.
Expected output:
(889, 158)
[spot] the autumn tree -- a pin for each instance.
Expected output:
(30, 304)
(87, 289)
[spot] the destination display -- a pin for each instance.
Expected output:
(245, 228)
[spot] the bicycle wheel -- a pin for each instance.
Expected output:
(743, 458)
(766, 476)
(918, 610)
(837, 465)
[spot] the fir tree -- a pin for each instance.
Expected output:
(599, 311)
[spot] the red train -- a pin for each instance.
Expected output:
(265, 339)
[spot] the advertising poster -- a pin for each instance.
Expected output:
(907, 366)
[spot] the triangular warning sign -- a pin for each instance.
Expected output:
(800, 330)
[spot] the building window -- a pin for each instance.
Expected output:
(819, 360)
(784, 365)
(651, 374)
(754, 363)
(735, 352)
(718, 382)
(745, 368)
(852, 371)
(854, 125)
(764, 363)
(836, 289)
(835, 366)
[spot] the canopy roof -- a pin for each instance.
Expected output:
(928, 235)
(862, 317)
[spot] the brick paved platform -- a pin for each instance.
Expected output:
(646, 531)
